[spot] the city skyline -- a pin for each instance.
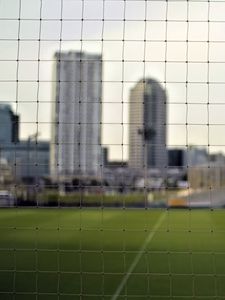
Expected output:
(132, 49)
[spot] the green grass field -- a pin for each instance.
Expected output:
(86, 254)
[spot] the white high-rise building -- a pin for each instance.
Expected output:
(147, 125)
(76, 129)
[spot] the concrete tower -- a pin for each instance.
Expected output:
(76, 130)
(147, 134)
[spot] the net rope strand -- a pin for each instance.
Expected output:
(101, 160)
(79, 149)
(122, 141)
(58, 200)
(15, 161)
(146, 254)
(187, 142)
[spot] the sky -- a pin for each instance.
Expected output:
(188, 58)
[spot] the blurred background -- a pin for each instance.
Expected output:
(128, 94)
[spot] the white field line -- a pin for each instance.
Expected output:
(138, 256)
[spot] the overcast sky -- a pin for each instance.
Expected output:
(186, 51)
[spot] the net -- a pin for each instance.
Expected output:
(112, 164)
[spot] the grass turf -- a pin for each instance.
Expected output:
(83, 254)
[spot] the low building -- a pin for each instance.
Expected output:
(6, 174)
(29, 160)
(6, 199)
(197, 156)
(177, 158)
(9, 125)
(210, 176)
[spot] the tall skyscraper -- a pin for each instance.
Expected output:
(9, 125)
(147, 123)
(76, 129)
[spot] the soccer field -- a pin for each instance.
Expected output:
(112, 254)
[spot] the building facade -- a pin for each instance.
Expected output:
(147, 124)
(177, 158)
(76, 129)
(197, 156)
(29, 160)
(9, 125)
